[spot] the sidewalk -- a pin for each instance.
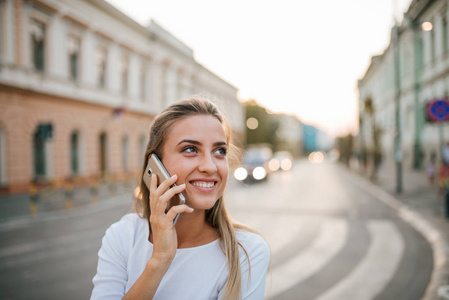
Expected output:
(53, 201)
(420, 206)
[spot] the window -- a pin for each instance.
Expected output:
(101, 66)
(42, 137)
(38, 45)
(142, 149)
(432, 44)
(142, 81)
(124, 74)
(125, 153)
(103, 154)
(419, 53)
(73, 45)
(445, 33)
(75, 153)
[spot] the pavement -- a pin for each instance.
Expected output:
(418, 204)
(52, 203)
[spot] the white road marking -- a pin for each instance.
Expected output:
(329, 242)
(376, 269)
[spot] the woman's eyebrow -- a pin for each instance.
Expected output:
(189, 142)
(194, 142)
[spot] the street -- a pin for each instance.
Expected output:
(329, 237)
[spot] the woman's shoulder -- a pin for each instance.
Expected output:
(130, 220)
(252, 242)
(127, 227)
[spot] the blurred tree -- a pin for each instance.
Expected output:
(345, 146)
(265, 131)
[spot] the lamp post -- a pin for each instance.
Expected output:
(397, 114)
(417, 55)
(419, 27)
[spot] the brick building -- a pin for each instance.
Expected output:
(80, 83)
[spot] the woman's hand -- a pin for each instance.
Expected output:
(163, 233)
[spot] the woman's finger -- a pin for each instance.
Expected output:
(178, 209)
(152, 190)
(156, 191)
(168, 182)
(167, 195)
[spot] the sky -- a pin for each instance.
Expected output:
(301, 57)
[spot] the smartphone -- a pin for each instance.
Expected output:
(156, 168)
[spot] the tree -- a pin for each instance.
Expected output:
(266, 127)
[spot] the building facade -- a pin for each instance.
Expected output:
(80, 83)
(393, 93)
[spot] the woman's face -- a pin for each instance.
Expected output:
(195, 151)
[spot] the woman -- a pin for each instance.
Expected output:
(205, 255)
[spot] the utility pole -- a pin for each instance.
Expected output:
(397, 113)
(417, 55)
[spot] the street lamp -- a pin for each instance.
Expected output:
(418, 28)
(397, 133)
(252, 123)
(427, 26)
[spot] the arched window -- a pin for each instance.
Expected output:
(142, 148)
(75, 153)
(125, 153)
(3, 159)
(42, 152)
(103, 154)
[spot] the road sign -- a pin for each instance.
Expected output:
(437, 110)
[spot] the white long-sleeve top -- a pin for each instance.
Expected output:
(195, 273)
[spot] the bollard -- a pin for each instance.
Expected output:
(68, 195)
(94, 191)
(33, 199)
(443, 292)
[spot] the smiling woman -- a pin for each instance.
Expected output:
(145, 256)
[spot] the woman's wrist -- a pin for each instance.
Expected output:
(158, 265)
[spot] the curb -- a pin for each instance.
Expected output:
(428, 231)
(91, 208)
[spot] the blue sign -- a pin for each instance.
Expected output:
(437, 110)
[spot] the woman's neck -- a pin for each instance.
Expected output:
(192, 230)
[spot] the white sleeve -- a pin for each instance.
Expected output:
(111, 278)
(253, 286)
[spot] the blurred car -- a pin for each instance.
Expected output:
(254, 165)
(281, 160)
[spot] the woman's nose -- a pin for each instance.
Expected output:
(207, 164)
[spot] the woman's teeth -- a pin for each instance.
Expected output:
(204, 184)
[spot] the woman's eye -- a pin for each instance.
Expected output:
(189, 149)
(221, 151)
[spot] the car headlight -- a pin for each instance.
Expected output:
(286, 164)
(240, 174)
(259, 173)
(273, 165)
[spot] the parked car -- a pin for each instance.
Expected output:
(254, 165)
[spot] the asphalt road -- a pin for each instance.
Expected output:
(330, 239)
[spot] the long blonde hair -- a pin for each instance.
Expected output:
(217, 216)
